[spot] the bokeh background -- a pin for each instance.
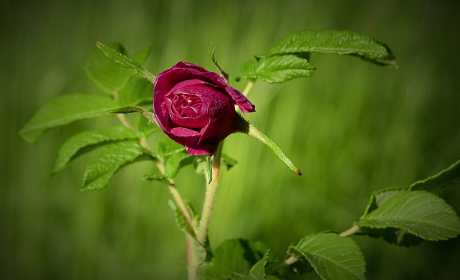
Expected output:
(353, 127)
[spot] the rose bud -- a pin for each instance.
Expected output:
(195, 107)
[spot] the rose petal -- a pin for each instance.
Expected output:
(245, 105)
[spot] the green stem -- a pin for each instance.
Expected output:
(280, 265)
(211, 191)
(248, 87)
(354, 229)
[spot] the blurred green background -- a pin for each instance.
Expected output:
(352, 127)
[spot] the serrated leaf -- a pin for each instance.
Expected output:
(168, 147)
(175, 162)
(257, 271)
(418, 212)
(88, 140)
(393, 236)
(279, 69)
(332, 256)
(234, 255)
(106, 74)
(98, 172)
(136, 109)
(121, 59)
(137, 91)
(144, 127)
(245, 127)
(335, 42)
(442, 179)
(64, 110)
(378, 197)
(159, 178)
(247, 70)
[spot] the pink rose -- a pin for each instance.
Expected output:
(195, 107)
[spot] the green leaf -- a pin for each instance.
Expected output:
(248, 70)
(234, 255)
(98, 172)
(137, 91)
(144, 127)
(159, 178)
(136, 109)
(119, 58)
(245, 127)
(279, 69)
(418, 212)
(168, 147)
(66, 109)
(380, 196)
(444, 178)
(393, 236)
(88, 140)
(257, 271)
(175, 162)
(335, 42)
(332, 256)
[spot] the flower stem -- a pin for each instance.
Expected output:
(280, 265)
(209, 200)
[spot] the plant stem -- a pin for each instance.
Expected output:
(248, 87)
(354, 229)
(210, 197)
(280, 265)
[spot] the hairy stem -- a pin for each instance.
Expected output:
(354, 229)
(287, 262)
(210, 197)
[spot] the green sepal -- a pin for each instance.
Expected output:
(245, 127)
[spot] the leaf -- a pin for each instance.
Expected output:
(247, 70)
(137, 91)
(393, 236)
(279, 69)
(144, 127)
(168, 147)
(234, 255)
(136, 109)
(159, 178)
(64, 110)
(245, 127)
(332, 256)
(87, 140)
(106, 74)
(442, 179)
(175, 162)
(119, 58)
(380, 196)
(257, 271)
(98, 172)
(335, 42)
(418, 212)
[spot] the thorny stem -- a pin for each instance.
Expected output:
(191, 251)
(210, 197)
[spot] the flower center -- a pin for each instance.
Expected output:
(186, 105)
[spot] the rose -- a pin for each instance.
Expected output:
(195, 107)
